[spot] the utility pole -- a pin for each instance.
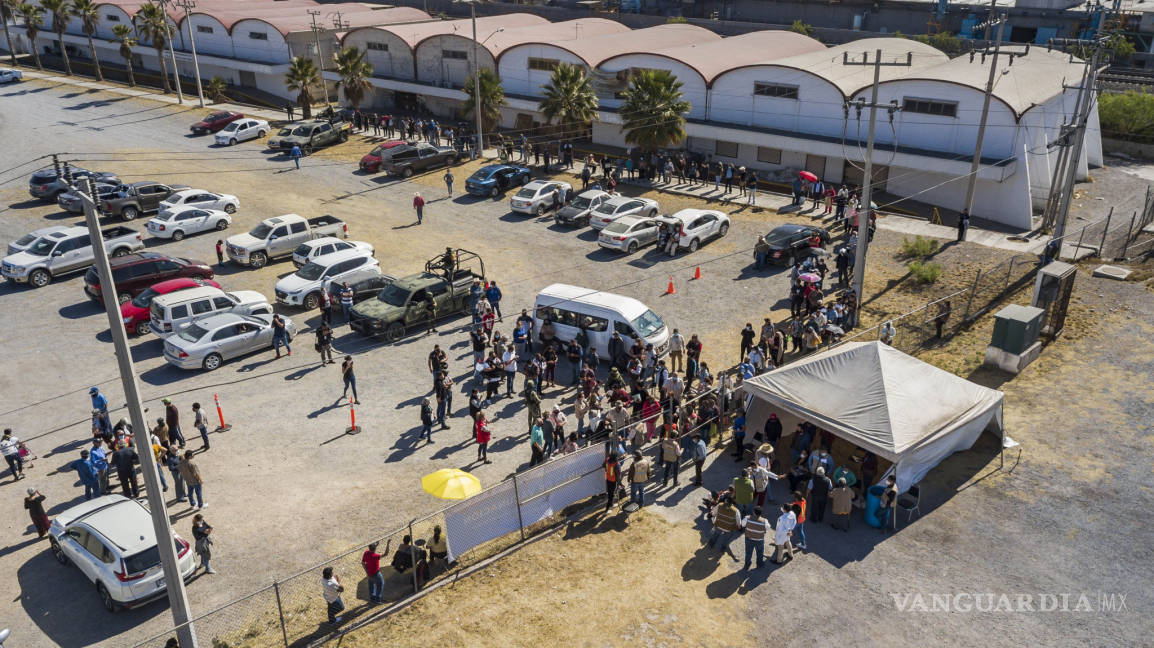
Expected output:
(477, 84)
(177, 597)
(971, 187)
(171, 54)
(317, 29)
(188, 6)
(867, 181)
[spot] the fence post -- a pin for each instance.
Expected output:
(413, 558)
(1009, 273)
(970, 301)
(1126, 245)
(1079, 245)
(517, 497)
(280, 613)
(1102, 245)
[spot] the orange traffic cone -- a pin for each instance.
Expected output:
(670, 290)
(697, 272)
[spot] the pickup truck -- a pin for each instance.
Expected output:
(278, 237)
(421, 156)
(312, 134)
(137, 198)
(400, 306)
(64, 251)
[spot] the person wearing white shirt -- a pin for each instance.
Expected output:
(509, 360)
(757, 359)
(10, 447)
(332, 594)
(781, 533)
(676, 350)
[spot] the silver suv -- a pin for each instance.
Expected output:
(111, 540)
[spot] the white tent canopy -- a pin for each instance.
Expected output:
(892, 404)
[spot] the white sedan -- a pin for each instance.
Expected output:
(182, 221)
(200, 198)
(8, 75)
(537, 196)
(619, 206)
(241, 130)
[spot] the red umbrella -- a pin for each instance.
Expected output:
(806, 175)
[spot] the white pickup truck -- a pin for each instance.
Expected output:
(63, 251)
(278, 237)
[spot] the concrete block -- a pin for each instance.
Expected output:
(1112, 272)
(1012, 362)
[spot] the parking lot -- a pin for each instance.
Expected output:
(286, 488)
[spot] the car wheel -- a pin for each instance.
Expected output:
(232, 142)
(141, 328)
(541, 210)
(632, 247)
(129, 213)
(212, 362)
(177, 235)
(260, 134)
(344, 137)
(119, 252)
(525, 179)
(39, 278)
(395, 332)
(221, 225)
(123, 298)
(230, 208)
(494, 193)
(693, 245)
(106, 598)
(790, 260)
(58, 552)
(258, 260)
(407, 173)
(311, 301)
(652, 213)
(723, 231)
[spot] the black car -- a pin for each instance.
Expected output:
(790, 243)
(362, 290)
(45, 185)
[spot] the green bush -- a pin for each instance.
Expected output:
(919, 247)
(799, 27)
(1126, 115)
(926, 272)
(676, 20)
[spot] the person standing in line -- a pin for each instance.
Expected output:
(755, 527)
(192, 481)
(426, 420)
(782, 532)
(444, 395)
(816, 192)
(638, 474)
(100, 405)
(798, 507)
(726, 524)
(202, 537)
(98, 457)
(842, 498)
(34, 504)
(963, 224)
(10, 447)
(350, 378)
(200, 422)
(747, 337)
(743, 492)
(612, 479)
(536, 442)
(371, 561)
(347, 301)
(493, 294)
(220, 251)
(172, 420)
(332, 589)
(125, 461)
(482, 434)
(819, 489)
(449, 181)
(676, 350)
(279, 336)
(670, 456)
(171, 458)
(419, 206)
(295, 154)
(87, 474)
(324, 343)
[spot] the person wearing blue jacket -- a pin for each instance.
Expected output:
(88, 476)
(493, 294)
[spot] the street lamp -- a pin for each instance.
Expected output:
(477, 74)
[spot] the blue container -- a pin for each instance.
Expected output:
(873, 503)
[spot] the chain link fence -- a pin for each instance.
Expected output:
(1116, 237)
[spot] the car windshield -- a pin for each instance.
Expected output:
(216, 116)
(284, 132)
(192, 332)
(648, 324)
(617, 227)
(393, 295)
(231, 127)
(260, 231)
(377, 151)
(526, 193)
(144, 299)
(303, 131)
(311, 271)
(26, 239)
(42, 247)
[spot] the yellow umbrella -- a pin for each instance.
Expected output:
(451, 483)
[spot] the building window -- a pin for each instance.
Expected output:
(725, 149)
(543, 64)
(380, 47)
(112, 18)
(461, 55)
(258, 35)
(768, 155)
(775, 90)
(202, 29)
(931, 107)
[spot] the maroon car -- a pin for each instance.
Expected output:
(214, 122)
(371, 162)
(133, 273)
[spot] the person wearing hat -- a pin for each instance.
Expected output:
(172, 419)
(161, 432)
(87, 474)
(34, 503)
(100, 404)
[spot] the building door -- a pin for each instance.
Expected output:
(815, 164)
(247, 79)
(853, 175)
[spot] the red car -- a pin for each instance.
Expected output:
(371, 163)
(135, 313)
(132, 273)
(214, 122)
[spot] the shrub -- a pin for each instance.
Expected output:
(926, 272)
(676, 20)
(919, 247)
(1127, 115)
(799, 27)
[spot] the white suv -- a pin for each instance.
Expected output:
(537, 196)
(305, 286)
(111, 540)
(309, 250)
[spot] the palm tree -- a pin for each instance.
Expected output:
(569, 98)
(215, 89)
(33, 17)
(89, 15)
(152, 25)
(61, 11)
(302, 75)
(492, 98)
(7, 12)
(354, 71)
(123, 35)
(654, 109)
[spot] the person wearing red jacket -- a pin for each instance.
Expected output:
(482, 434)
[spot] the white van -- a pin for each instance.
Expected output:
(170, 312)
(568, 307)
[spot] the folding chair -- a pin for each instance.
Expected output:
(911, 501)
